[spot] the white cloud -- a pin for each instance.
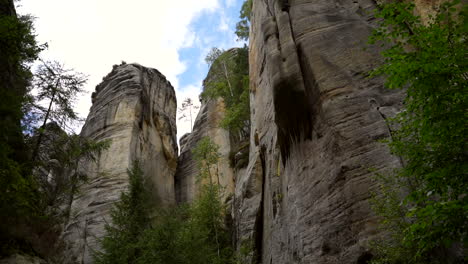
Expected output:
(223, 24)
(90, 36)
(192, 92)
(229, 3)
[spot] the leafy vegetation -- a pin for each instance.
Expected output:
(34, 187)
(19, 197)
(130, 218)
(229, 79)
(206, 155)
(243, 26)
(193, 233)
(428, 221)
(18, 48)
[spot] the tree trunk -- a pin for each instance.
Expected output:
(227, 79)
(41, 131)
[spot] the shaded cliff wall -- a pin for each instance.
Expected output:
(316, 119)
(135, 108)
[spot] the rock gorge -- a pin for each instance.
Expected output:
(315, 124)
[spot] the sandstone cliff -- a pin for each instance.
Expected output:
(316, 120)
(135, 108)
(207, 123)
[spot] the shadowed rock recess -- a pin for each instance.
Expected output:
(135, 108)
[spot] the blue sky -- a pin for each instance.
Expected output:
(171, 36)
(213, 29)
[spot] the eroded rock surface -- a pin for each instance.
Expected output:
(135, 108)
(207, 123)
(316, 119)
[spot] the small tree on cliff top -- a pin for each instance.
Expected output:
(58, 87)
(130, 219)
(207, 157)
(208, 209)
(229, 79)
(243, 26)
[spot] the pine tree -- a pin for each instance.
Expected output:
(129, 220)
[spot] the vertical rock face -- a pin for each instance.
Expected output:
(316, 119)
(207, 122)
(135, 108)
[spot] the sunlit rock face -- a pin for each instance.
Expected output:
(187, 179)
(316, 121)
(135, 108)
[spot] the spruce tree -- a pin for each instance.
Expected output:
(129, 220)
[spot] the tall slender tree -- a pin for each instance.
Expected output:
(58, 88)
(187, 110)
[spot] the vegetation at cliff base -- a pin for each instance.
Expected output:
(427, 220)
(194, 233)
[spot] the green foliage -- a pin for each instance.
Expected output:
(66, 178)
(129, 221)
(207, 157)
(387, 204)
(429, 61)
(208, 213)
(193, 233)
(19, 194)
(243, 26)
(229, 79)
(189, 234)
(213, 55)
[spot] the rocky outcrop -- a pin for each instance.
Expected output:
(134, 107)
(207, 123)
(316, 121)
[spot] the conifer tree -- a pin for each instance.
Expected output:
(129, 220)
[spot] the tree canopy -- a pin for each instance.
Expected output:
(428, 60)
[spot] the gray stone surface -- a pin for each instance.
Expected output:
(22, 259)
(135, 108)
(206, 124)
(316, 120)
